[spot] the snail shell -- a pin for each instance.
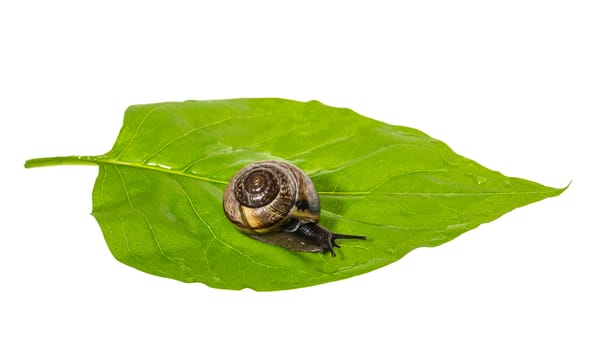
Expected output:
(276, 202)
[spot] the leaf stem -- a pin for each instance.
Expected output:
(66, 160)
(92, 160)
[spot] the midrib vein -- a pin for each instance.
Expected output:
(161, 169)
(433, 194)
(96, 160)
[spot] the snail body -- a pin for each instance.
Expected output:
(275, 202)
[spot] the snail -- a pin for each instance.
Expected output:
(275, 202)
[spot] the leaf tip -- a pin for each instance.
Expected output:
(563, 189)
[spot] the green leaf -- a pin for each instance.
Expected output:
(158, 194)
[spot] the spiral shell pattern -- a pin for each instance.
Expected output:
(270, 196)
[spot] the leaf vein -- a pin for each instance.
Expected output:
(345, 165)
(149, 226)
(414, 172)
(431, 194)
(334, 141)
(135, 134)
(186, 134)
(167, 170)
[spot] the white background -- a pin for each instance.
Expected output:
(523, 87)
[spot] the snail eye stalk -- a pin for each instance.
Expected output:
(324, 237)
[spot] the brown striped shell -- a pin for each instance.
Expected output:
(270, 196)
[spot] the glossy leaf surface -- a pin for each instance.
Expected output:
(158, 195)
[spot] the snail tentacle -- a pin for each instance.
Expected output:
(324, 237)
